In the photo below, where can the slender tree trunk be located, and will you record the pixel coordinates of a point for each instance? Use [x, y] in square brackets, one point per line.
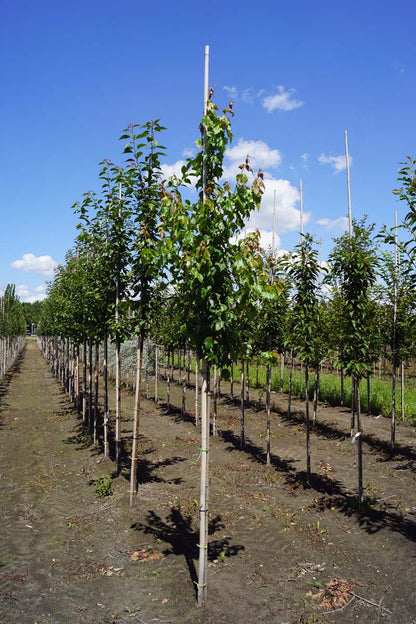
[308, 425]
[67, 369]
[147, 371]
[268, 389]
[84, 382]
[360, 447]
[156, 372]
[204, 487]
[242, 404]
[188, 370]
[353, 392]
[368, 394]
[214, 411]
[184, 377]
[393, 404]
[77, 390]
[402, 390]
[118, 405]
[232, 381]
[301, 380]
[168, 387]
[247, 381]
[136, 421]
[96, 371]
[316, 394]
[90, 369]
[282, 371]
[196, 390]
[105, 387]
[289, 398]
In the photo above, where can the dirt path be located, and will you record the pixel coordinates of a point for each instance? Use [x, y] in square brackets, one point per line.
[63, 550]
[70, 557]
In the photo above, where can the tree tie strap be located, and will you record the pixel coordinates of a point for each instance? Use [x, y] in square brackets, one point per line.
[201, 450]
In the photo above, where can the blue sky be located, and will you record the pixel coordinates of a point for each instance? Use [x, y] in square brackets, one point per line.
[74, 74]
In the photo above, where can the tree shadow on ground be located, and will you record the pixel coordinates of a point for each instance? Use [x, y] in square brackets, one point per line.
[177, 531]
[331, 432]
[321, 429]
[256, 452]
[370, 519]
[334, 494]
[177, 412]
[146, 468]
[7, 379]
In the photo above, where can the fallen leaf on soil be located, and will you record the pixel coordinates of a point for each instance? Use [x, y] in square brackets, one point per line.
[143, 555]
[110, 571]
[165, 600]
[335, 594]
[258, 497]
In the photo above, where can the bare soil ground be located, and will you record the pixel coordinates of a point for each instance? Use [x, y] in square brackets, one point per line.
[280, 552]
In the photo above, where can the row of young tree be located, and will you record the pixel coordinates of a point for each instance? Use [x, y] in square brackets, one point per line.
[168, 258]
[12, 329]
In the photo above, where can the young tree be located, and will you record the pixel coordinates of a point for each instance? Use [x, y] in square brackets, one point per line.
[270, 325]
[199, 241]
[143, 191]
[303, 270]
[353, 266]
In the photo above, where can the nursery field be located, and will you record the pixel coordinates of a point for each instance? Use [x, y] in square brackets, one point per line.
[279, 551]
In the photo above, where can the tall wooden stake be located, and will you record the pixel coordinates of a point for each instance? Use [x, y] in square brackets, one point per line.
[394, 346]
[136, 420]
[301, 207]
[347, 164]
[274, 225]
[118, 370]
[204, 481]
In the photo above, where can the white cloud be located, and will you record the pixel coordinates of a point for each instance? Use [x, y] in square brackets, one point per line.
[245, 96]
[30, 295]
[266, 240]
[171, 170]
[22, 291]
[305, 160]
[232, 91]
[282, 100]
[287, 215]
[337, 162]
[287, 195]
[45, 265]
[188, 152]
[261, 157]
[340, 224]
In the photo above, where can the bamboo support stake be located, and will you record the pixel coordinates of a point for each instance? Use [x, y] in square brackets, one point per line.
[118, 371]
[156, 372]
[196, 390]
[274, 224]
[394, 346]
[204, 480]
[301, 207]
[268, 388]
[347, 164]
